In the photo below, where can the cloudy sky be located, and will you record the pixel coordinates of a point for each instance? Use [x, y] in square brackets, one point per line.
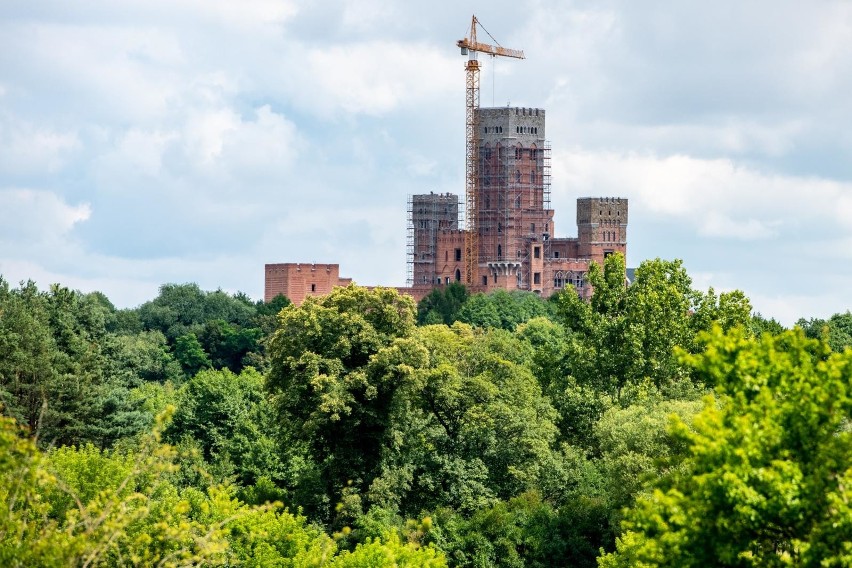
[153, 141]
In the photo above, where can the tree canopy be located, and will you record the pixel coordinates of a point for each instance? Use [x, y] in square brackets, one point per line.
[654, 425]
[765, 477]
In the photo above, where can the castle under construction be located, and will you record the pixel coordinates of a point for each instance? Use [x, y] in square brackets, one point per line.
[515, 233]
[515, 243]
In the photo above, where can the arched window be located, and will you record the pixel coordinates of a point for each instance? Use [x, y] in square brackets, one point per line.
[558, 280]
[458, 275]
[575, 279]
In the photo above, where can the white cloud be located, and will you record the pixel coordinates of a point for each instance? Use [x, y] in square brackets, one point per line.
[36, 217]
[175, 140]
[28, 148]
[372, 77]
[718, 198]
[719, 225]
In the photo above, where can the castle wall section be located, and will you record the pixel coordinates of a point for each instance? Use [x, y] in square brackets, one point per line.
[298, 281]
[449, 261]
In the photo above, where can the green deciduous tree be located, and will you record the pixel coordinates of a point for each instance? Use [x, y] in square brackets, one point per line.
[766, 479]
[628, 335]
[442, 304]
[469, 426]
[836, 331]
[230, 419]
[503, 309]
[56, 375]
[191, 355]
[332, 397]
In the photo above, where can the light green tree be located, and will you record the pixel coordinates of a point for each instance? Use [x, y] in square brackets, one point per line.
[628, 335]
[767, 477]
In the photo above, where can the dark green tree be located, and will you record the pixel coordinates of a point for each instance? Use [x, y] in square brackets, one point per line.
[442, 304]
[836, 331]
[503, 309]
[191, 355]
[55, 376]
[230, 419]
[333, 400]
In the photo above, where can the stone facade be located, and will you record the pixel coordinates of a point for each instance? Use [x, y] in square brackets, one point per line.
[541, 263]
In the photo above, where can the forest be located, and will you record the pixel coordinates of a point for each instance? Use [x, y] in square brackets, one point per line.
[657, 425]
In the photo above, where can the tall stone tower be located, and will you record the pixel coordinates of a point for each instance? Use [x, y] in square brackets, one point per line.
[513, 194]
[601, 227]
[428, 216]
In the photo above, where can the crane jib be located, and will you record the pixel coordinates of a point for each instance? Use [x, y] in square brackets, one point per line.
[490, 49]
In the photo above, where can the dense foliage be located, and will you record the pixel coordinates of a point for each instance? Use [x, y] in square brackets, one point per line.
[656, 425]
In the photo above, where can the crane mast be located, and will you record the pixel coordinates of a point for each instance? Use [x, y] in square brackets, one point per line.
[470, 46]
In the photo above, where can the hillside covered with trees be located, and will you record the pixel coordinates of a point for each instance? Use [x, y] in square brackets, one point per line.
[657, 425]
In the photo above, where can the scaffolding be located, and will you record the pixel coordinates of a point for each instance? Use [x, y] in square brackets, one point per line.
[428, 214]
[409, 242]
[514, 206]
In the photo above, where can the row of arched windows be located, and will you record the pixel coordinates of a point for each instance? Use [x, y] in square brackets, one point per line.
[562, 279]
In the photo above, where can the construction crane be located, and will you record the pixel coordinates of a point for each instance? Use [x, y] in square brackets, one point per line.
[470, 47]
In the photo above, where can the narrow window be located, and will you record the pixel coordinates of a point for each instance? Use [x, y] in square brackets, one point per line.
[458, 255]
[485, 281]
[313, 287]
[537, 252]
[458, 275]
[536, 277]
[499, 252]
